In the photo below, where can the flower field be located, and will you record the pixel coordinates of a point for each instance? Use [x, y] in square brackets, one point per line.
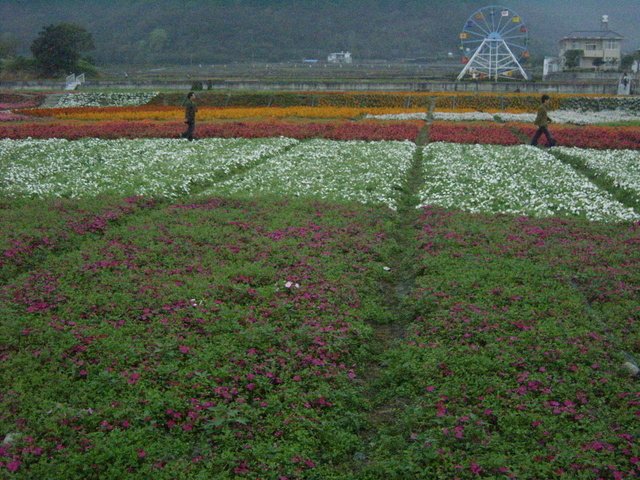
[368, 173]
[200, 337]
[108, 99]
[160, 113]
[518, 180]
[472, 101]
[621, 167]
[511, 366]
[494, 134]
[90, 167]
[342, 130]
[318, 297]
[592, 137]
[559, 116]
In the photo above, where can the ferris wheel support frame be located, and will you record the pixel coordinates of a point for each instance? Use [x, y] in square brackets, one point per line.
[486, 60]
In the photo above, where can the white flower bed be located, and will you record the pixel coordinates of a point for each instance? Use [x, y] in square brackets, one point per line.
[116, 99]
[357, 171]
[153, 167]
[588, 118]
[558, 116]
[519, 180]
[622, 167]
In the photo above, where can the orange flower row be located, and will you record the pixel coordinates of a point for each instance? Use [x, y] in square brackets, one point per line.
[212, 113]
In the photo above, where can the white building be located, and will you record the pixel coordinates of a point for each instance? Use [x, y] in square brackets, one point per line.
[599, 49]
[550, 65]
[340, 57]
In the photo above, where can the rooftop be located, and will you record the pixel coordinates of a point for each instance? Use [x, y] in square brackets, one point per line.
[593, 35]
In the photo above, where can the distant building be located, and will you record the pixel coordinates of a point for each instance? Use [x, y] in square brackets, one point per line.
[599, 49]
[550, 65]
[340, 57]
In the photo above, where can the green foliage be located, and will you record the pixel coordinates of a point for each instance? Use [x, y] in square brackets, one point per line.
[19, 64]
[58, 48]
[627, 60]
[8, 45]
[572, 58]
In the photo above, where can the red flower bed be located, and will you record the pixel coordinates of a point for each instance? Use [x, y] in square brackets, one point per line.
[591, 136]
[494, 134]
[108, 130]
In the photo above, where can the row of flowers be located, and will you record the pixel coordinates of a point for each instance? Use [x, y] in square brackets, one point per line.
[365, 172]
[596, 104]
[520, 180]
[9, 116]
[422, 100]
[206, 113]
[559, 116]
[620, 167]
[343, 130]
[32, 229]
[480, 178]
[458, 101]
[590, 136]
[159, 113]
[10, 101]
[493, 134]
[105, 99]
[458, 132]
[90, 167]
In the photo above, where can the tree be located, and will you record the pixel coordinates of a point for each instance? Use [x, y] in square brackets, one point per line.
[57, 49]
[627, 60]
[158, 40]
[572, 58]
[8, 45]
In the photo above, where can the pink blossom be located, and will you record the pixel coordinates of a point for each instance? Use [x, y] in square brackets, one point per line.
[241, 468]
[475, 468]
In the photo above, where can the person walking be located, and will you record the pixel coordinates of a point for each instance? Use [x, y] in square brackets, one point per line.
[542, 121]
[190, 109]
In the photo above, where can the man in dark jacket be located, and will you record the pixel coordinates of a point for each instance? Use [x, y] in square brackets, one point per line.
[190, 109]
[542, 121]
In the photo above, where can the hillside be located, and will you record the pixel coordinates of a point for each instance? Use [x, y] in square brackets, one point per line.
[222, 31]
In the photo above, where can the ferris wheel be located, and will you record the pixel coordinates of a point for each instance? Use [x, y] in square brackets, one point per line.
[494, 43]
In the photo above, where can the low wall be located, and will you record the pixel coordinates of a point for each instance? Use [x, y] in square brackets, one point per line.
[306, 86]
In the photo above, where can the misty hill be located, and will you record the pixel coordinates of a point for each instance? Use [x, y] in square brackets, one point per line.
[222, 31]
